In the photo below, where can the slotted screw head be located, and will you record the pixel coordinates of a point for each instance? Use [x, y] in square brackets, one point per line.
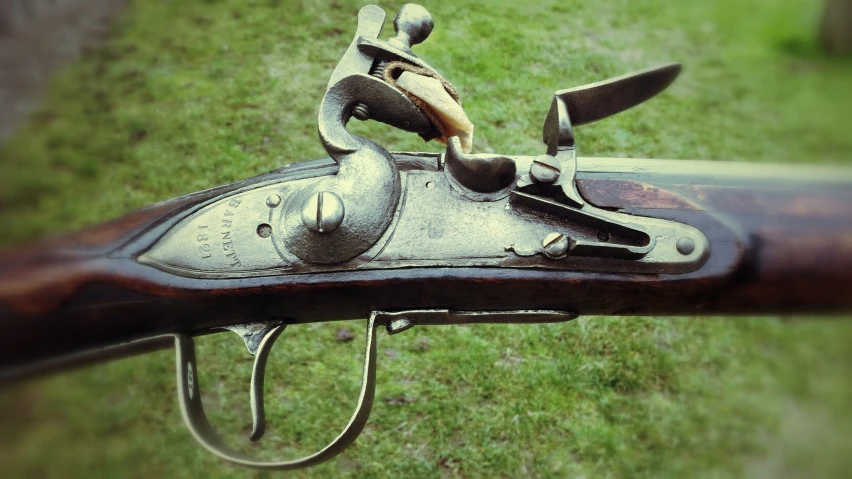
[555, 245]
[545, 169]
[323, 212]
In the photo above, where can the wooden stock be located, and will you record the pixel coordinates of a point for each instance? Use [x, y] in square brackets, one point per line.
[774, 249]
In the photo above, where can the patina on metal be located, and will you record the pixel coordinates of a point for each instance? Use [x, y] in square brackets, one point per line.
[395, 322]
[472, 210]
[486, 174]
[259, 338]
[413, 239]
[367, 185]
[450, 210]
[193, 414]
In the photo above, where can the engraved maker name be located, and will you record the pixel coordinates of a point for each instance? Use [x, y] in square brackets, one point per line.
[227, 243]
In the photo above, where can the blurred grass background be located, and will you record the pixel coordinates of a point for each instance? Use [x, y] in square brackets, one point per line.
[182, 96]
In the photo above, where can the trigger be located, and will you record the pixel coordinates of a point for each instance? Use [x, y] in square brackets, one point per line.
[259, 338]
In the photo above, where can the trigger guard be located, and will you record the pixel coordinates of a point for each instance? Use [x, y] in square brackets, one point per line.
[192, 410]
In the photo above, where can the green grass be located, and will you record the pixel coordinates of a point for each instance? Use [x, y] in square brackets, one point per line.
[186, 95]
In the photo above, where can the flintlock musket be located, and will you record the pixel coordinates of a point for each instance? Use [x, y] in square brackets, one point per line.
[412, 239]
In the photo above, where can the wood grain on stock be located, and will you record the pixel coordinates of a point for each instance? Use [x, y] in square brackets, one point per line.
[774, 250]
[39, 277]
[799, 253]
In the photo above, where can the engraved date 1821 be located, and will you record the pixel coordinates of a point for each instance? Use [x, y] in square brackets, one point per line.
[202, 238]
